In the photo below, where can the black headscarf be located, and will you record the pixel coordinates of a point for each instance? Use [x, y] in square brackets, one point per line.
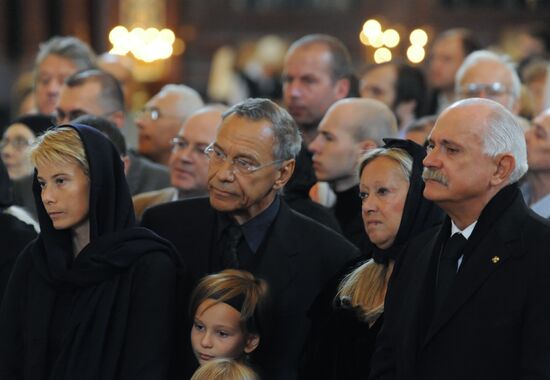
[115, 245]
[37, 123]
[6, 188]
[419, 214]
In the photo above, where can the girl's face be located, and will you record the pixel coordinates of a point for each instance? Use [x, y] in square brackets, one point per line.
[217, 333]
[65, 194]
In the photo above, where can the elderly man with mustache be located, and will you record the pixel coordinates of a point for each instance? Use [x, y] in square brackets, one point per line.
[471, 300]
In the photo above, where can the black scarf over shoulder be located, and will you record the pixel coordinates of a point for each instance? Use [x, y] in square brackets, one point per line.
[419, 214]
[115, 245]
[6, 188]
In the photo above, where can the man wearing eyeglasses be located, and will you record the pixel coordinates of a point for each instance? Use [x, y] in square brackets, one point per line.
[159, 121]
[484, 74]
[188, 162]
[245, 224]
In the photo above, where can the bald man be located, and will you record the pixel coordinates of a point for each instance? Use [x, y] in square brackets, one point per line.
[188, 163]
[349, 128]
[161, 118]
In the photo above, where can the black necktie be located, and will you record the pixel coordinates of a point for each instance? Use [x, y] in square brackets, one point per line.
[230, 256]
[448, 266]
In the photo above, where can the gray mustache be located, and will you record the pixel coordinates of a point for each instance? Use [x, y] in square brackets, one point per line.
[434, 175]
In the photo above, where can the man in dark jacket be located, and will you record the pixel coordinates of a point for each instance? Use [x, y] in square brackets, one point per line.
[471, 302]
[246, 224]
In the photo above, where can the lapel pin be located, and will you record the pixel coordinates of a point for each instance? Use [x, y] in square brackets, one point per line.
[495, 259]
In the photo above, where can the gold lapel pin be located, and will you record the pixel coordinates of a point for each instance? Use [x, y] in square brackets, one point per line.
[495, 259]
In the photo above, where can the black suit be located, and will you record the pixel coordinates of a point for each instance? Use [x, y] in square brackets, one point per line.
[298, 257]
[495, 321]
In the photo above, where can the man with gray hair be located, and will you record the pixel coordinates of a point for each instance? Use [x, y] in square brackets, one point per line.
[57, 59]
[471, 298]
[245, 224]
[485, 74]
[349, 128]
[161, 118]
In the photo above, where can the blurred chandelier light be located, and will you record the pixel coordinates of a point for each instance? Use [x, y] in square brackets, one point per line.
[141, 31]
[374, 35]
[147, 45]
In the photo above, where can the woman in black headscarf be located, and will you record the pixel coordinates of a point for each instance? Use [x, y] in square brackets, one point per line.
[94, 297]
[14, 233]
[347, 316]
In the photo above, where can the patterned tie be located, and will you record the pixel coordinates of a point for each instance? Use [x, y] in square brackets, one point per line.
[233, 236]
[448, 266]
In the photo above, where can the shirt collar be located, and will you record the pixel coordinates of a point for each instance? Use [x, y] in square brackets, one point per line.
[256, 228]
[467, 232]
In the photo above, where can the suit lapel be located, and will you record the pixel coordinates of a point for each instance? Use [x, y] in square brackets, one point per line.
[280, 250]
[494, 250]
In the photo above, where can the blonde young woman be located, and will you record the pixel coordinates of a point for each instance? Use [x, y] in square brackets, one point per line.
[94, 296]
[345, 325]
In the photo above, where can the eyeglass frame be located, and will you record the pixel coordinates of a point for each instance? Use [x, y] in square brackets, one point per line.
[177, 141]
[492, 90]
[18, 143]
[153, 114]
[210, 149]
[75, 114]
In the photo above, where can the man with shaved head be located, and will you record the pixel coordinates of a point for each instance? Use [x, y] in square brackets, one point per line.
[188, 163]
[349, 128]
[161, 118]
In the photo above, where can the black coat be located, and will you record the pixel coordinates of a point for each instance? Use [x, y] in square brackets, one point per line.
[300, 256]
[107, 314]
[14, 235]
[494, 322]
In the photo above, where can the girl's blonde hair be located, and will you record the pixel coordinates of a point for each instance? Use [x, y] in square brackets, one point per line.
[238, 288]
[60, 146]
[224, 369]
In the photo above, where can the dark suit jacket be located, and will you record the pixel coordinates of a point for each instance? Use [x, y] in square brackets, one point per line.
[494, 324]
[299, 257]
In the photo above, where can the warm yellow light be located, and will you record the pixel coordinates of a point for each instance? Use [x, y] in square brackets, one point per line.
[416, 54]
[377, 40]
[168, 36]
[118, 34]
[364, 39]
[390, 38]
[145, 44]
[372, 28]
[179, 46]
[382, 55]
[419, 37]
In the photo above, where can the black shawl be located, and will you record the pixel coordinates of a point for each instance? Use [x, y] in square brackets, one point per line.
[6, 188]
[100, 277]
[340, 344]
[419, 214]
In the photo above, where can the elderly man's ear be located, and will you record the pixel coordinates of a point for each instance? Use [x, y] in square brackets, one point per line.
[284, 174]
[504, 166]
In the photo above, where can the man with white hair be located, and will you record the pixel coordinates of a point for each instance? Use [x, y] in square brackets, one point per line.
[470, 299]
[536, 189]
[485, 74]
[161, 118]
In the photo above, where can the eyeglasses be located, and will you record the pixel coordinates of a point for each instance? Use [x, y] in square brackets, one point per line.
[153, 113]
[241, 166]
[64, 117]
[491, 90]
[17, 143]
[179, 143]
